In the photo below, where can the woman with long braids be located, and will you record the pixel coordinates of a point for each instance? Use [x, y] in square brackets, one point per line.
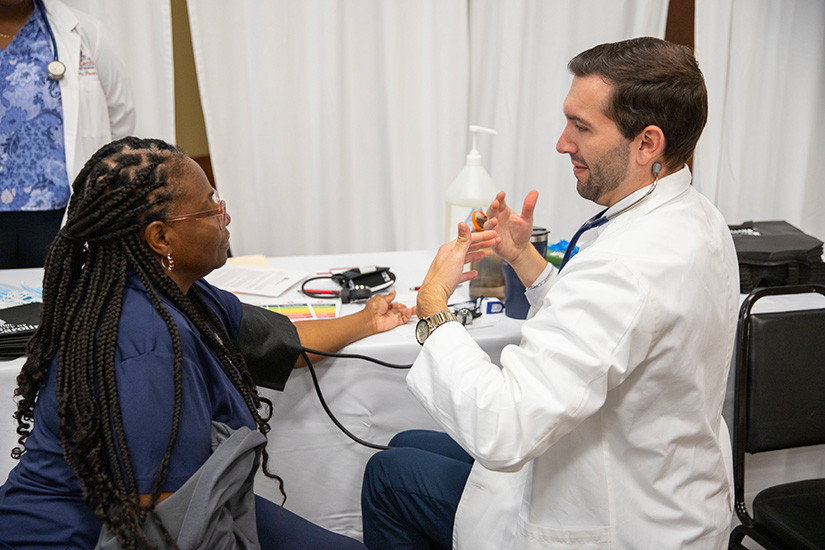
[137, 356]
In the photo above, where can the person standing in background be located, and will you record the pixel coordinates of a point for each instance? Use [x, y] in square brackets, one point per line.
[53, 116]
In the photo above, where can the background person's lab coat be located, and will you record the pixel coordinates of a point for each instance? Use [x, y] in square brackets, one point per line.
[95, 91]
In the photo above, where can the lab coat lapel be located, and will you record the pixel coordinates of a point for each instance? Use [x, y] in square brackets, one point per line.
[63, 22]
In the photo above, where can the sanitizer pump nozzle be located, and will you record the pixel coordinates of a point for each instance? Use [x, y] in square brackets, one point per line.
[472, 188]
[474, 157]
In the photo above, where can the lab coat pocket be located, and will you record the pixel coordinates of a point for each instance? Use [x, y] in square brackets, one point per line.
[93, 115]
[93, 129]
[536, 536]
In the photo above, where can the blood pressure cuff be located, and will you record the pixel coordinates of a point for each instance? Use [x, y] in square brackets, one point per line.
[775, 253]
[270, 345]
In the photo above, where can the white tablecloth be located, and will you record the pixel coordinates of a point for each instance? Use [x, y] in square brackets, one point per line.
[8, 374]
[321, 467]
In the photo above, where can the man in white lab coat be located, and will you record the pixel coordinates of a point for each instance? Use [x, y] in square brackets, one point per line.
[603, 428]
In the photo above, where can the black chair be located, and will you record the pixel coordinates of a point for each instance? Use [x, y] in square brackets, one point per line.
[779, 404]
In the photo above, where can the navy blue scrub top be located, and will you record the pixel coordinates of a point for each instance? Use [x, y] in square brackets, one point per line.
[41, 505]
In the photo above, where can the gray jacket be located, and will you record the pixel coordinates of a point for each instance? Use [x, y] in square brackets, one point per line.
[215, 508]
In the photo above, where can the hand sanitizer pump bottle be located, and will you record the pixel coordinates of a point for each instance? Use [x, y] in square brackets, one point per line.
[472, 188]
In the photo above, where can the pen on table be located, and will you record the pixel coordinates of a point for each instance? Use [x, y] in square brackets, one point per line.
[415, 287]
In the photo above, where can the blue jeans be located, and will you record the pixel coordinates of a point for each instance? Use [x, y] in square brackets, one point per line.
[411, 492]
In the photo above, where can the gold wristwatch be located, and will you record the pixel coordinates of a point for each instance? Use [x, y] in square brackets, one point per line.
[427, 325]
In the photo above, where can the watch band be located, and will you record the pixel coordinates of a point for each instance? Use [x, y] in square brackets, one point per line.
[439, 318]
[427, 325]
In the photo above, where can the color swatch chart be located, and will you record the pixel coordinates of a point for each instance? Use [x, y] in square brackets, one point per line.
[297, 311]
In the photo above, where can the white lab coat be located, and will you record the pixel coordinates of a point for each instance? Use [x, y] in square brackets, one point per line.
[603, 428]
[95, 92]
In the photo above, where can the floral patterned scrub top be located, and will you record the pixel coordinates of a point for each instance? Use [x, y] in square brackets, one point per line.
[32, 153]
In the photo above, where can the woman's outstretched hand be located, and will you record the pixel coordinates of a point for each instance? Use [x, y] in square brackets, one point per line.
[386, 314]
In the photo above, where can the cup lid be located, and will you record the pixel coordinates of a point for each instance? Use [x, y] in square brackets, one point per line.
[539, 234]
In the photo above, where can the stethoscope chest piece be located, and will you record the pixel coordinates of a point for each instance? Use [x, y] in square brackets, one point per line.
[56, 69]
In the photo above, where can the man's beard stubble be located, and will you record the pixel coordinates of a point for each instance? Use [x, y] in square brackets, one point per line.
[605, 174]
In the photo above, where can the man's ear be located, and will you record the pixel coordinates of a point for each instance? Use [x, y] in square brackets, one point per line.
[156, 235]
[651, 145]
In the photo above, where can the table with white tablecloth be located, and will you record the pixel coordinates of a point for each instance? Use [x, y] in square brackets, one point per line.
[321, 467]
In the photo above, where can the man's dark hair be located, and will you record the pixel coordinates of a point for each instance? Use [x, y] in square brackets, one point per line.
[655, 82]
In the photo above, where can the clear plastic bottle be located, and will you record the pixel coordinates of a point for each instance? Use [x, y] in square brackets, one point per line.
[490, 279]
[472, 188]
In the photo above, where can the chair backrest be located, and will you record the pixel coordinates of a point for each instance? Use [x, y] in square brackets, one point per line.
[786, 389]
[779, 400]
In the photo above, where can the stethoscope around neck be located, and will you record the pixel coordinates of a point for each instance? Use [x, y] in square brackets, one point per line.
[55, 67]
[656, 168]
[601, 219]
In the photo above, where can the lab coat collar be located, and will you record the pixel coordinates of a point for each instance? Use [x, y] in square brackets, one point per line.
[668, 187]
[60, 16]
[679, 179]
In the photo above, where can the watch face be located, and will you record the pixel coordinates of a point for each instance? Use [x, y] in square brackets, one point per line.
[422, 330]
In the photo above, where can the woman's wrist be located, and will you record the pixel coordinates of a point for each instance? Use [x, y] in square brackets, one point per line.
[364, 323]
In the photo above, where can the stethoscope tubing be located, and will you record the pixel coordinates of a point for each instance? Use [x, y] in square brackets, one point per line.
[600, 219]
[61, 68]
[634, 203]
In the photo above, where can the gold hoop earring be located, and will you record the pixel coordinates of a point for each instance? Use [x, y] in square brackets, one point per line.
[169, 265]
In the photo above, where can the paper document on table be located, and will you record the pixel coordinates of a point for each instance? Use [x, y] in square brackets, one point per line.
[251, 259]
[246, 279]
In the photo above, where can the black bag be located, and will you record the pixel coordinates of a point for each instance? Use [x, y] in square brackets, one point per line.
[17, 324]
[775, 253]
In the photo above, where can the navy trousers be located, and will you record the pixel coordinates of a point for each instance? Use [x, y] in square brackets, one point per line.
[25, 237]
[280, 529]
[411, 492]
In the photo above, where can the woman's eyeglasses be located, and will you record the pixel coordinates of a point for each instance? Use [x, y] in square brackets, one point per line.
[219, 211]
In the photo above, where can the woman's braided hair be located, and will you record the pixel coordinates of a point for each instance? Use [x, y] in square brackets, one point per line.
[125, 186]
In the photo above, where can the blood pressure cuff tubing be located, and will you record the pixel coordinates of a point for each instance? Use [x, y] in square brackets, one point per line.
[270, 345]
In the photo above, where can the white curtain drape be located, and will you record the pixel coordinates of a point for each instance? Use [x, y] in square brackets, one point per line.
[331, 124]
[762, 155]
[519, 52]
[336, 126]
[141, 34]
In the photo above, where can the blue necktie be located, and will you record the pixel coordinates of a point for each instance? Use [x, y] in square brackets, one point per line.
[595, 221]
